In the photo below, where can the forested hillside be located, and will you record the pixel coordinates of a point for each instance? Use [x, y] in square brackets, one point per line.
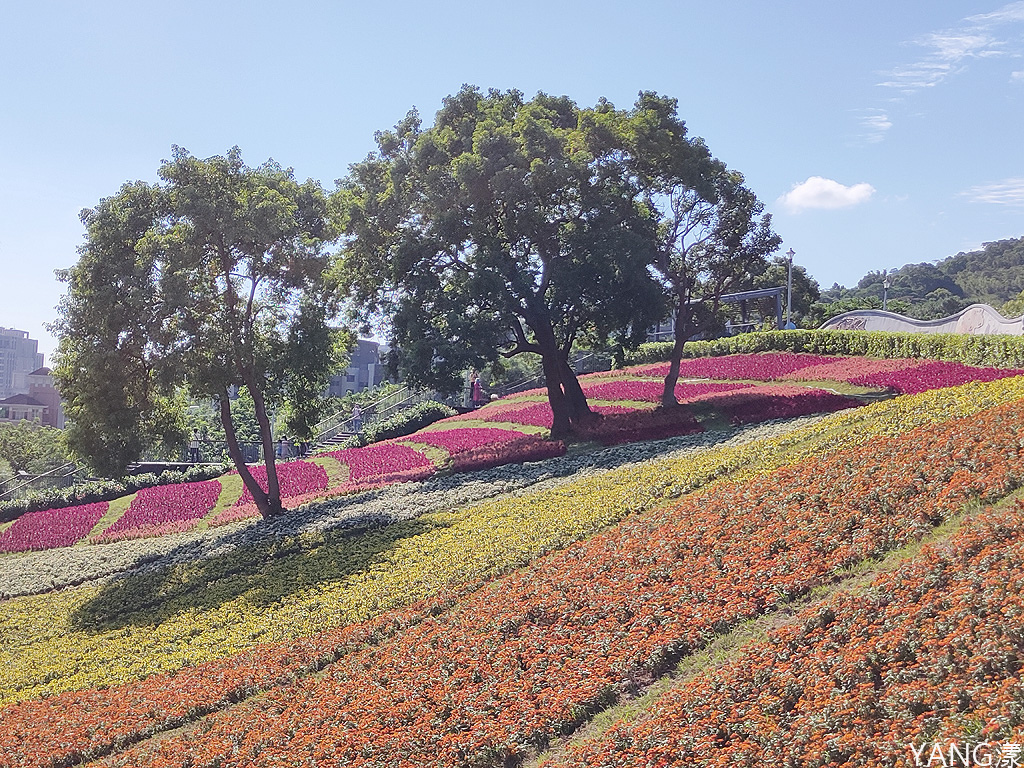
[994, 275]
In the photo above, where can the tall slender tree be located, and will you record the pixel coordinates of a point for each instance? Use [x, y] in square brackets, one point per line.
[208, 280]
[712, 232]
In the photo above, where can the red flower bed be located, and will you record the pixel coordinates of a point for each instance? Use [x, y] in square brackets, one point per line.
[295, 478]
[525, 448]
[164, 509]
[650, 391]
[384, 461]
[48, 528]
[761, 366]
[935, 374]
[779, 402]
[928, 655]
[631, 426]
[455, 441]
[512, 664]
[539, 414]
[849, 369]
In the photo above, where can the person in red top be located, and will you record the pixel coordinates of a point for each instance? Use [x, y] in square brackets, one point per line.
[477, 391]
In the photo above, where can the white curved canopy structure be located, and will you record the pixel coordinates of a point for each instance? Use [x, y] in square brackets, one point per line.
[976, 319]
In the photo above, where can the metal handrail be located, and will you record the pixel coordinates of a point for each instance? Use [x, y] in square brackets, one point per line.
[345, 415]
[74, 468]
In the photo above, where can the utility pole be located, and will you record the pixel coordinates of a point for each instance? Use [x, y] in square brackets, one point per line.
[789, 291]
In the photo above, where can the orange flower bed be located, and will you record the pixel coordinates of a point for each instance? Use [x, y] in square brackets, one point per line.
[926, 660]
[512, 664]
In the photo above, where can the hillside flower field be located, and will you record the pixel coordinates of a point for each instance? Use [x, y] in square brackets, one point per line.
[472, 594]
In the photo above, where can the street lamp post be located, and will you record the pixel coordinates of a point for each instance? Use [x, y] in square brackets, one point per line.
[789, 290]
[886, 285]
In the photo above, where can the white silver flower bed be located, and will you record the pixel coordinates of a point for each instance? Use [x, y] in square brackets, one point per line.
[35, 572]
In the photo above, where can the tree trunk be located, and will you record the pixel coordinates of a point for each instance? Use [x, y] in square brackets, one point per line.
[263, 503]
[267, 439]
[668, 394]
[551, 361]
[560, 424]
[579, 409]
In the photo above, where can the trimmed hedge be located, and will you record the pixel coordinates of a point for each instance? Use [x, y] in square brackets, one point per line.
[997, 351]
[403, 423]
[103, 490]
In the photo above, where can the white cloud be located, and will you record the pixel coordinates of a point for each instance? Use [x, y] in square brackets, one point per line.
[1017, 77]
[948, 52]
[1008, 13]
[819, 192]
[875, 124]
[1007, 192]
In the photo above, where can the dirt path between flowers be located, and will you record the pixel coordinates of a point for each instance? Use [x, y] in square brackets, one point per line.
[728, 646]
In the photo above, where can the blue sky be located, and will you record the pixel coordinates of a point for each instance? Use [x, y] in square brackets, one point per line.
[876, 133]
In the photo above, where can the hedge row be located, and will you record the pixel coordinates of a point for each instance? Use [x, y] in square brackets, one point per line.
[991, 350]
[403, 423]
[103, 490]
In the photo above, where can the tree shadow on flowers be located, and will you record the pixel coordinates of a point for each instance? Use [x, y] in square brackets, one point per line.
[264, 573]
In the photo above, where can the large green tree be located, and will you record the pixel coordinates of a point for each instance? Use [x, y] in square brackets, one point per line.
[211, 279]
[508, 226]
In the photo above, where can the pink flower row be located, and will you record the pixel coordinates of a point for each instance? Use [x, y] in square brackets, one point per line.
[49, 528]
[381, 460]
[780, 402]
[164, 509]
[650, 391]
[295, 478]
[904, 376]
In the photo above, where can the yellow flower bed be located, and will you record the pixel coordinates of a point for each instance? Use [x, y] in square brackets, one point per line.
[206, 610]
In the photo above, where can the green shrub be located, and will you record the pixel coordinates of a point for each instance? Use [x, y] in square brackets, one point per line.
[990, 350]
[403, 423]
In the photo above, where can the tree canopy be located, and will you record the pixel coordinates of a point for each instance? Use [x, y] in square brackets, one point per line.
[213, 278]
[512, 226]
[508, 226]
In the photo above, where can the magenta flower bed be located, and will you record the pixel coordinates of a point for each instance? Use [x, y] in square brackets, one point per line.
[650, 391]
[524, 448]
[464, 438]
[163, 509]
[933, 374]
[48, 528]
[539, 414]
[631, 426]
[295, 478]
[779, 402]
[764, 366]
[849, 368]
[383, 461]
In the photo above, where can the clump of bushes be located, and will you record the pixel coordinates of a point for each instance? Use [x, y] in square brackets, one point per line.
[403, 423]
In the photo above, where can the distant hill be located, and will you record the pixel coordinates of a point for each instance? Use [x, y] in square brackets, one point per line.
[993, 275]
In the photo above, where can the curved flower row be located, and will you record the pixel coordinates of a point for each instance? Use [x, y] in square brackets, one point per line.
[760, 366]
[380, 461]
[904, 376]
[44, 650]
[295, 478]
[778, 402]
[163, 508]
[931, 375]
[651, 391]
[47, 528]
[538, 414]
[515, 662]
[929, 655]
